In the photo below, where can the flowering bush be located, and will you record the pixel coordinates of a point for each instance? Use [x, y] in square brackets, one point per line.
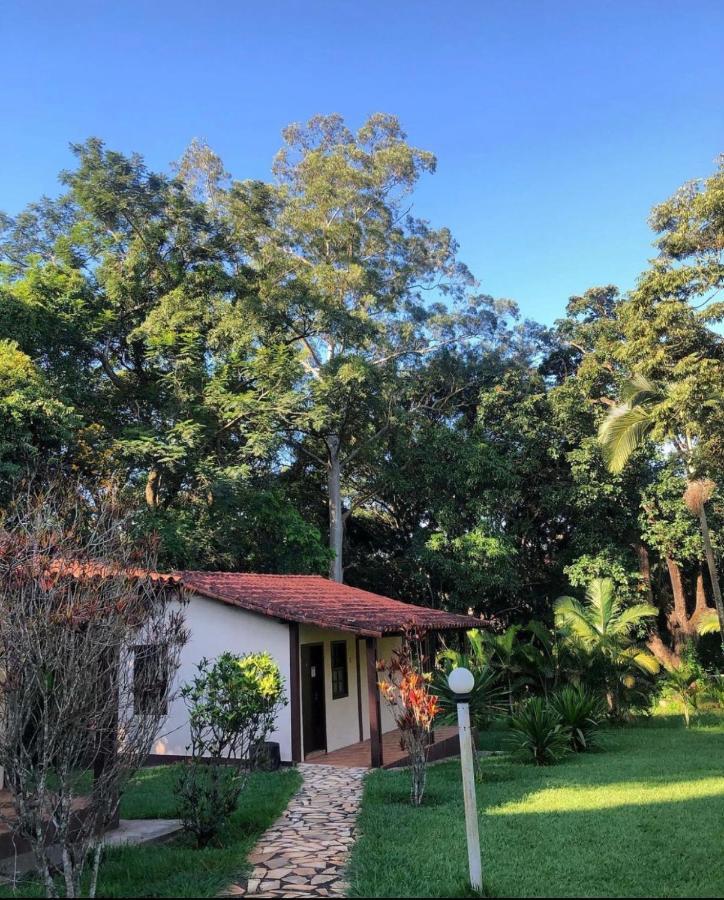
[406, 688]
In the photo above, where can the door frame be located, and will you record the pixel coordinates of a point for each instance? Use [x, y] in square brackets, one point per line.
[320, 645]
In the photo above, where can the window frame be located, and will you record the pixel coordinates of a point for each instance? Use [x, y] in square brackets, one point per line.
[151, 698]
[339, 692]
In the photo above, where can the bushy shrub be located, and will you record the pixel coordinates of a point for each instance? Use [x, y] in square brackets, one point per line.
[715, 690]
[232, 705]
[580, 712]
[536, 733]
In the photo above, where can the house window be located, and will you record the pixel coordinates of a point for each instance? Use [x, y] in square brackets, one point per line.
[339, 670]
[150, 679]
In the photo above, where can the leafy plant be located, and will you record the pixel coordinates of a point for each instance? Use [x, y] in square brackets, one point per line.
[580, 712]
[487, 699]
[686, 688]
[687, 685]
[536, 732]
[603, 629]
[407, 691]
[232, 704]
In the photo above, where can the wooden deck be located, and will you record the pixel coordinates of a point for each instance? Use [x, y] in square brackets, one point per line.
[358, 755]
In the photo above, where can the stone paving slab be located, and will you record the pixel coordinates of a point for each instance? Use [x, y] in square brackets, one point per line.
[305, 852]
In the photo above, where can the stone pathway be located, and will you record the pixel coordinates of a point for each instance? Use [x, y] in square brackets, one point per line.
[305, 852]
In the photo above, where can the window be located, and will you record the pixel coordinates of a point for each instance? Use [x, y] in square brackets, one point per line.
[339, 670]
[150, 679]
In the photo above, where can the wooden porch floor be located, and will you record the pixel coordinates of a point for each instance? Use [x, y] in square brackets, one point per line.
[359, 755]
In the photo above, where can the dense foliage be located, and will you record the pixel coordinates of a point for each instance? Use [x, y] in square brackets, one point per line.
[299, 376]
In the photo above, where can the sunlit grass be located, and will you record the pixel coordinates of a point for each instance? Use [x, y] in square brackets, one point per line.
[643, 818]
[627, 793]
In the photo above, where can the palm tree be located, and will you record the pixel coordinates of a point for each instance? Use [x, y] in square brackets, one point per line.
[602, 627]
[625, 429]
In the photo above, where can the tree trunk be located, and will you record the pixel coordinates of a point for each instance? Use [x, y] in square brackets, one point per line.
[665, 655]
[677, 619]
[678, 616]
[153, 482]
[336, 521]
[668, 658]
[701, 603]
[645, 570]
[713, 575]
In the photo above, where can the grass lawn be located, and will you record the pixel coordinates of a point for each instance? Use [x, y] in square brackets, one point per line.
[177, 868]
[642, 818]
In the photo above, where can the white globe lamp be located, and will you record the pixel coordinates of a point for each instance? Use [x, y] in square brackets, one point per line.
[461, 681]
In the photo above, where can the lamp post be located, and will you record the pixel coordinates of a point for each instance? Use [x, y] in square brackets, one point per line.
[462, 682]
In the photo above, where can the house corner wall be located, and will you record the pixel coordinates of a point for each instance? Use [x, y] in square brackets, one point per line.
[214, 628]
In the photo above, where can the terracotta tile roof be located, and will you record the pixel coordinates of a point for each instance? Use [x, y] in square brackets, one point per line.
[317, 601]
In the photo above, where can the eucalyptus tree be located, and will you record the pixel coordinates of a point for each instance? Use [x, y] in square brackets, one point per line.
[356, 289]
[119, 296]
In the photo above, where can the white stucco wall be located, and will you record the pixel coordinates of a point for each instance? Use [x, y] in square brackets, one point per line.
[214, 628]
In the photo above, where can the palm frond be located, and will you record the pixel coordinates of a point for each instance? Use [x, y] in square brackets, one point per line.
[602, 602]
[640, 389]
[632, 615]
[572, 617]
[709, 623]
[621, 433]
[642, 659]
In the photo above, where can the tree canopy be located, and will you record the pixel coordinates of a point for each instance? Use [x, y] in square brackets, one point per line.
[301, 375]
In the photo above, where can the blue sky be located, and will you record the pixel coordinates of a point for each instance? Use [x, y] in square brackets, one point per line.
[557, 125]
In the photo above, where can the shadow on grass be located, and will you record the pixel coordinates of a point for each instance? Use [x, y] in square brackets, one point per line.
[605, 824]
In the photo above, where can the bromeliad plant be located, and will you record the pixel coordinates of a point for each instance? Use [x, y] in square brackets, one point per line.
[580, 712]
[406, 688]
[536, 732]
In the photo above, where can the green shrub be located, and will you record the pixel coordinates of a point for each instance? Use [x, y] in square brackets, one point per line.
[536, 733]
[232, 705]
[580, 712]
[715, 690]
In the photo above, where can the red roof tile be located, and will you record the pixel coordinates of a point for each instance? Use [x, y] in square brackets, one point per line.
[317, 601]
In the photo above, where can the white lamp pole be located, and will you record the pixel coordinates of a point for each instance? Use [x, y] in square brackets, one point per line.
[461, 683]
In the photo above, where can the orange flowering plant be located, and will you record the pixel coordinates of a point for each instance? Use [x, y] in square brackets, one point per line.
[406, 688]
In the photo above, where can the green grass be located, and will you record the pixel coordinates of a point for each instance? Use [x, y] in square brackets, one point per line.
[177, 868]
[642, 818]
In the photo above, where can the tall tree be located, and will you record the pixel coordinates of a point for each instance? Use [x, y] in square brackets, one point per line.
[345, 271]
[122, 293]
[655, 410]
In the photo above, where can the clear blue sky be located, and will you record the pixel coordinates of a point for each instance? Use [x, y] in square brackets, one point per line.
[557, 124]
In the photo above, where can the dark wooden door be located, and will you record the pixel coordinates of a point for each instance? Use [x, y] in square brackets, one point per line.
[314, 725]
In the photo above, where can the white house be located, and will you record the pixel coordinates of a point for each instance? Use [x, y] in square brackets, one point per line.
[326, 638]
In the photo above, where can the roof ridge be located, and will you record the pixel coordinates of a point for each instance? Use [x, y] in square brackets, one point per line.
[254, 574]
